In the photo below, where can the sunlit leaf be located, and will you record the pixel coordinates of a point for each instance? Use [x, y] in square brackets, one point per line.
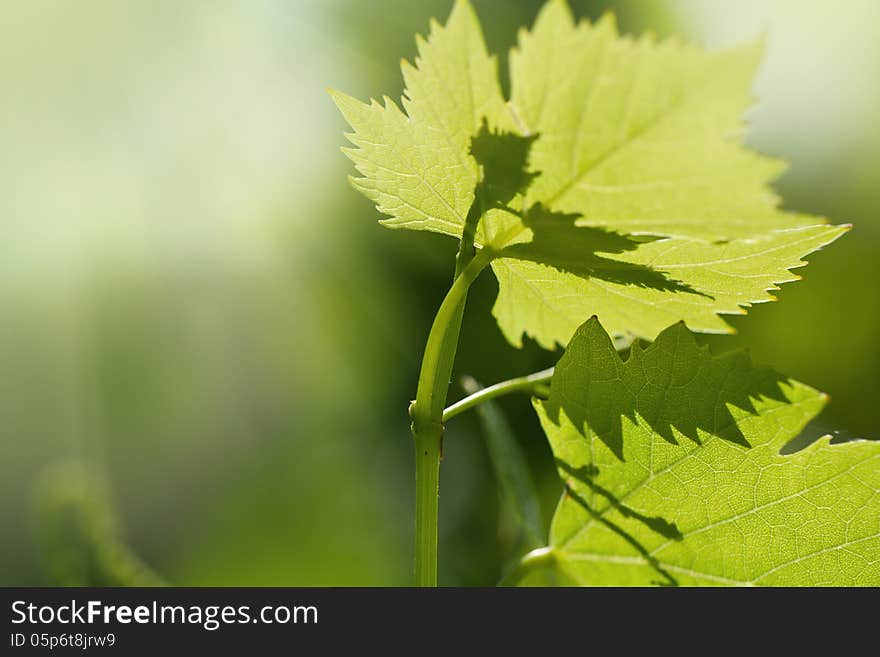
[613, 183]
[416, 165]
[673, 472]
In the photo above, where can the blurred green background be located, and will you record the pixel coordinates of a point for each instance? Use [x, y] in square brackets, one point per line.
[198, 310]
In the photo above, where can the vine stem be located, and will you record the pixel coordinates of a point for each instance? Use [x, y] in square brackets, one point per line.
[535, 384]
[427, 414]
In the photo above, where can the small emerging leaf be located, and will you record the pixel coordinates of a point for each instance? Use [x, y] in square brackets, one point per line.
[673, 472]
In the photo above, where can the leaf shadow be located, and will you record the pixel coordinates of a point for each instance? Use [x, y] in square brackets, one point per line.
[558, 242]
[556, 239]
[706, 388]
[667, 579]
[504, 160]
[587, 474]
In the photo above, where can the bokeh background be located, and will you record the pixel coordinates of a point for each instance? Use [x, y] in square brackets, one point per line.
[207, 339]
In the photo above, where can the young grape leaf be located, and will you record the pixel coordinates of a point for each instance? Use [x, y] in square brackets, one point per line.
[416, 166]
[640, 136]
[673, 472]
[641, 291]
[613, 182]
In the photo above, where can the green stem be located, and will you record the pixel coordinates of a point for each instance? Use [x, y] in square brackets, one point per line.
[535, 384]
[428, 448]
[427, 414]
[433, 384]
[529, 563]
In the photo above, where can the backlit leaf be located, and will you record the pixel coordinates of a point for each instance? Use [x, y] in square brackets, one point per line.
[613, 182]
[673, 472]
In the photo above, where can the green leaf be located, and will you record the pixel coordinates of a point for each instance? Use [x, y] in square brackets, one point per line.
[640, 136]
[614, 182]
[642, 290]
[416, 166]
[673, 472]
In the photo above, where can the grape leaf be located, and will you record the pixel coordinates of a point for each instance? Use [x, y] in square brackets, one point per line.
[613, 182]
[416, 166]
[673, 472]
[640, 136]
[642, 291]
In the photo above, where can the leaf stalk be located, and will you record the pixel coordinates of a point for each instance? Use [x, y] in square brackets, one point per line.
[534, 384]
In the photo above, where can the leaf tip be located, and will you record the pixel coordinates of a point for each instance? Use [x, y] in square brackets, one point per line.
[461, 5]
[339, 97]
[336, 96]
[555, 10]
[680, 330]
[608, 20]
[351, 108]
[434, 27]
